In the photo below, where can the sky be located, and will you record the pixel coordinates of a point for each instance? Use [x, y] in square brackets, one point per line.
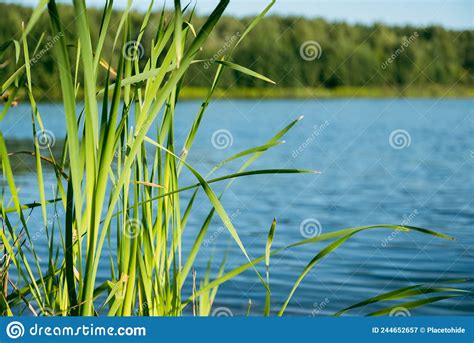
[453, 14]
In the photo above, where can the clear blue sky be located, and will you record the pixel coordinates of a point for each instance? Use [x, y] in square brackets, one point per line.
[457, 14]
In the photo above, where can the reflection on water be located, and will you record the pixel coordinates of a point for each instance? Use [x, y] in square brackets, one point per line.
[382, 161]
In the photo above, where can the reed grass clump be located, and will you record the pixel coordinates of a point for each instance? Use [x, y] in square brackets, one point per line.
[119, 190]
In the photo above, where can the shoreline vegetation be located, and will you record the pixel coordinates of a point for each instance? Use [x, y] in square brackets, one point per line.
[261, 93]
[434, 91]
[306, 57]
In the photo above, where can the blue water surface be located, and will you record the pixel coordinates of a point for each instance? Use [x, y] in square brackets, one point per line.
[399, 161]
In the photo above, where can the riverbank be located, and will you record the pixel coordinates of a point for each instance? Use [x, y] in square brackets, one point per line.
[276, 92]
[432, 91]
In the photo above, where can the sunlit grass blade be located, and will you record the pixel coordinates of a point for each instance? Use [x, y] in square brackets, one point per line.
[69, 106]
[327, 250]
[245, 70]
[415, 304]
[216, 204]
[340, 235]
[268, 247]
[402, 293]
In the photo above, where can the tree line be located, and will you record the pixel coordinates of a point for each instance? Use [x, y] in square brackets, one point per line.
[295, 52]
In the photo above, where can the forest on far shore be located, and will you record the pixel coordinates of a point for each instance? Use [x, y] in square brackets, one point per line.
[281, 48]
